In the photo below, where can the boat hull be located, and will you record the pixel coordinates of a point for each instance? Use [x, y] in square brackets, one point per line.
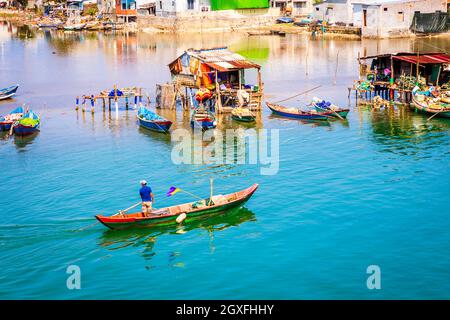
[416, 105]
[203, 123]
[243, 118]
[119, 223]
[305, 115]
[22, 130]
[157, 126]
[342, 112]
[5, 126]
[8, 92]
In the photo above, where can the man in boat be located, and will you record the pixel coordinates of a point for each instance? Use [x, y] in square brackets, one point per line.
[147, 198]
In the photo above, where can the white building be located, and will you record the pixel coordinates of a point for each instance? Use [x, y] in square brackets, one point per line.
[175, 7]
[298, 7]
[377, 18]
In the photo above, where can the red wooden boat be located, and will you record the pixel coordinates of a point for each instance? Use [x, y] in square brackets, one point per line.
[168, 215]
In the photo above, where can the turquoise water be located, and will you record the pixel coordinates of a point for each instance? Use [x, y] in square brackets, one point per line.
[369, 191]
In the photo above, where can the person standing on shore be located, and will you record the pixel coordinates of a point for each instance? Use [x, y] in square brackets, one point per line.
[147, 198]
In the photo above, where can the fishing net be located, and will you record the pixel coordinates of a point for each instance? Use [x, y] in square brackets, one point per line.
[430, 22]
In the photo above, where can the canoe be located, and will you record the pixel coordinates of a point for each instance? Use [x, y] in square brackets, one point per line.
[152, 121]
[296, 113]
[424, 107]
[203, 119]
[8, 92]
[322, 106]
[168, 215]
[7, 121]
[27, 125]
[243, 115]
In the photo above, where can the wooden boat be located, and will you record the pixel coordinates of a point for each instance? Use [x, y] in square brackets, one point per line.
[297, 113]
[27, 125]
[242, 114]
[7, 121]
[152, 121]
[50, 25]
[438, 107]
[8, 92]
[168, 215]
[322, 106]
[203, 119]
[74, 27]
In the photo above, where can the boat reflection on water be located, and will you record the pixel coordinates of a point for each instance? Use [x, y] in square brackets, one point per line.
[399, 130]
[146, 237]
[313, 123]
[22, 142]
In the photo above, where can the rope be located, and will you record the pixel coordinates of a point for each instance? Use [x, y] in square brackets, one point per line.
[299, 94]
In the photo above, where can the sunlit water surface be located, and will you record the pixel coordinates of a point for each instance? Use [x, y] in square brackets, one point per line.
[372, 190]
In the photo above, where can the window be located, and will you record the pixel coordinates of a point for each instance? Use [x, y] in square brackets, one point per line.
[190, 4]
[400, 16]
[299, 4]
[160, 5]
[317, 9]
[385, 9]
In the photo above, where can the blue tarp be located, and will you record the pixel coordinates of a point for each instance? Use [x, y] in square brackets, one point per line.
[119, 93]
[17, 110]
[149, 115]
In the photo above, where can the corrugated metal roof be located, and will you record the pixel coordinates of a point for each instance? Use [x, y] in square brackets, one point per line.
[425, 59]
[399, 54]
[222, 59]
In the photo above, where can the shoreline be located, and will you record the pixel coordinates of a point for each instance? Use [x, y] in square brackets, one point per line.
[152, 25]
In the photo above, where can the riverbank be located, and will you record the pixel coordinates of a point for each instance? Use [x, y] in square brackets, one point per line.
[211, 22]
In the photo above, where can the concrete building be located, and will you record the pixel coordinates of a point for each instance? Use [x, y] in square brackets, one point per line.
[334, 11]
[377, 18]
[392, 18]
[295, 7]
[176, 7]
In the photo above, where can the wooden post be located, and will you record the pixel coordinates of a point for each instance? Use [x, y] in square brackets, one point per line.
[391, 81]
[116, 102]
[438, 75]
[417, 66]
[211, 181]
[103, 103]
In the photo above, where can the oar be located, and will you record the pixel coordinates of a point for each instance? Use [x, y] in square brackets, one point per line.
[434, 115]
[120, 212]
[299, 94]
[330, 110]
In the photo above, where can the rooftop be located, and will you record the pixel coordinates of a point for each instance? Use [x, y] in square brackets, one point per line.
[221, 59]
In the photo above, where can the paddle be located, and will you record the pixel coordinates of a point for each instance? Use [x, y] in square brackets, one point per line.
[119, 212]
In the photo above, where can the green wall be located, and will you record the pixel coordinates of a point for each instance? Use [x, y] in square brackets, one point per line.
[238, 4]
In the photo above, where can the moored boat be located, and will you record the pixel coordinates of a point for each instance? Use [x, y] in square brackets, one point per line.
[297, 113]
[27, 125]
[8, 92]
[203, 119]
[74, 27]
[324, 106]
[8, 120]
[242, 114]
[152, 121]
[50, 25]
[434, 106]
[169, 215]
